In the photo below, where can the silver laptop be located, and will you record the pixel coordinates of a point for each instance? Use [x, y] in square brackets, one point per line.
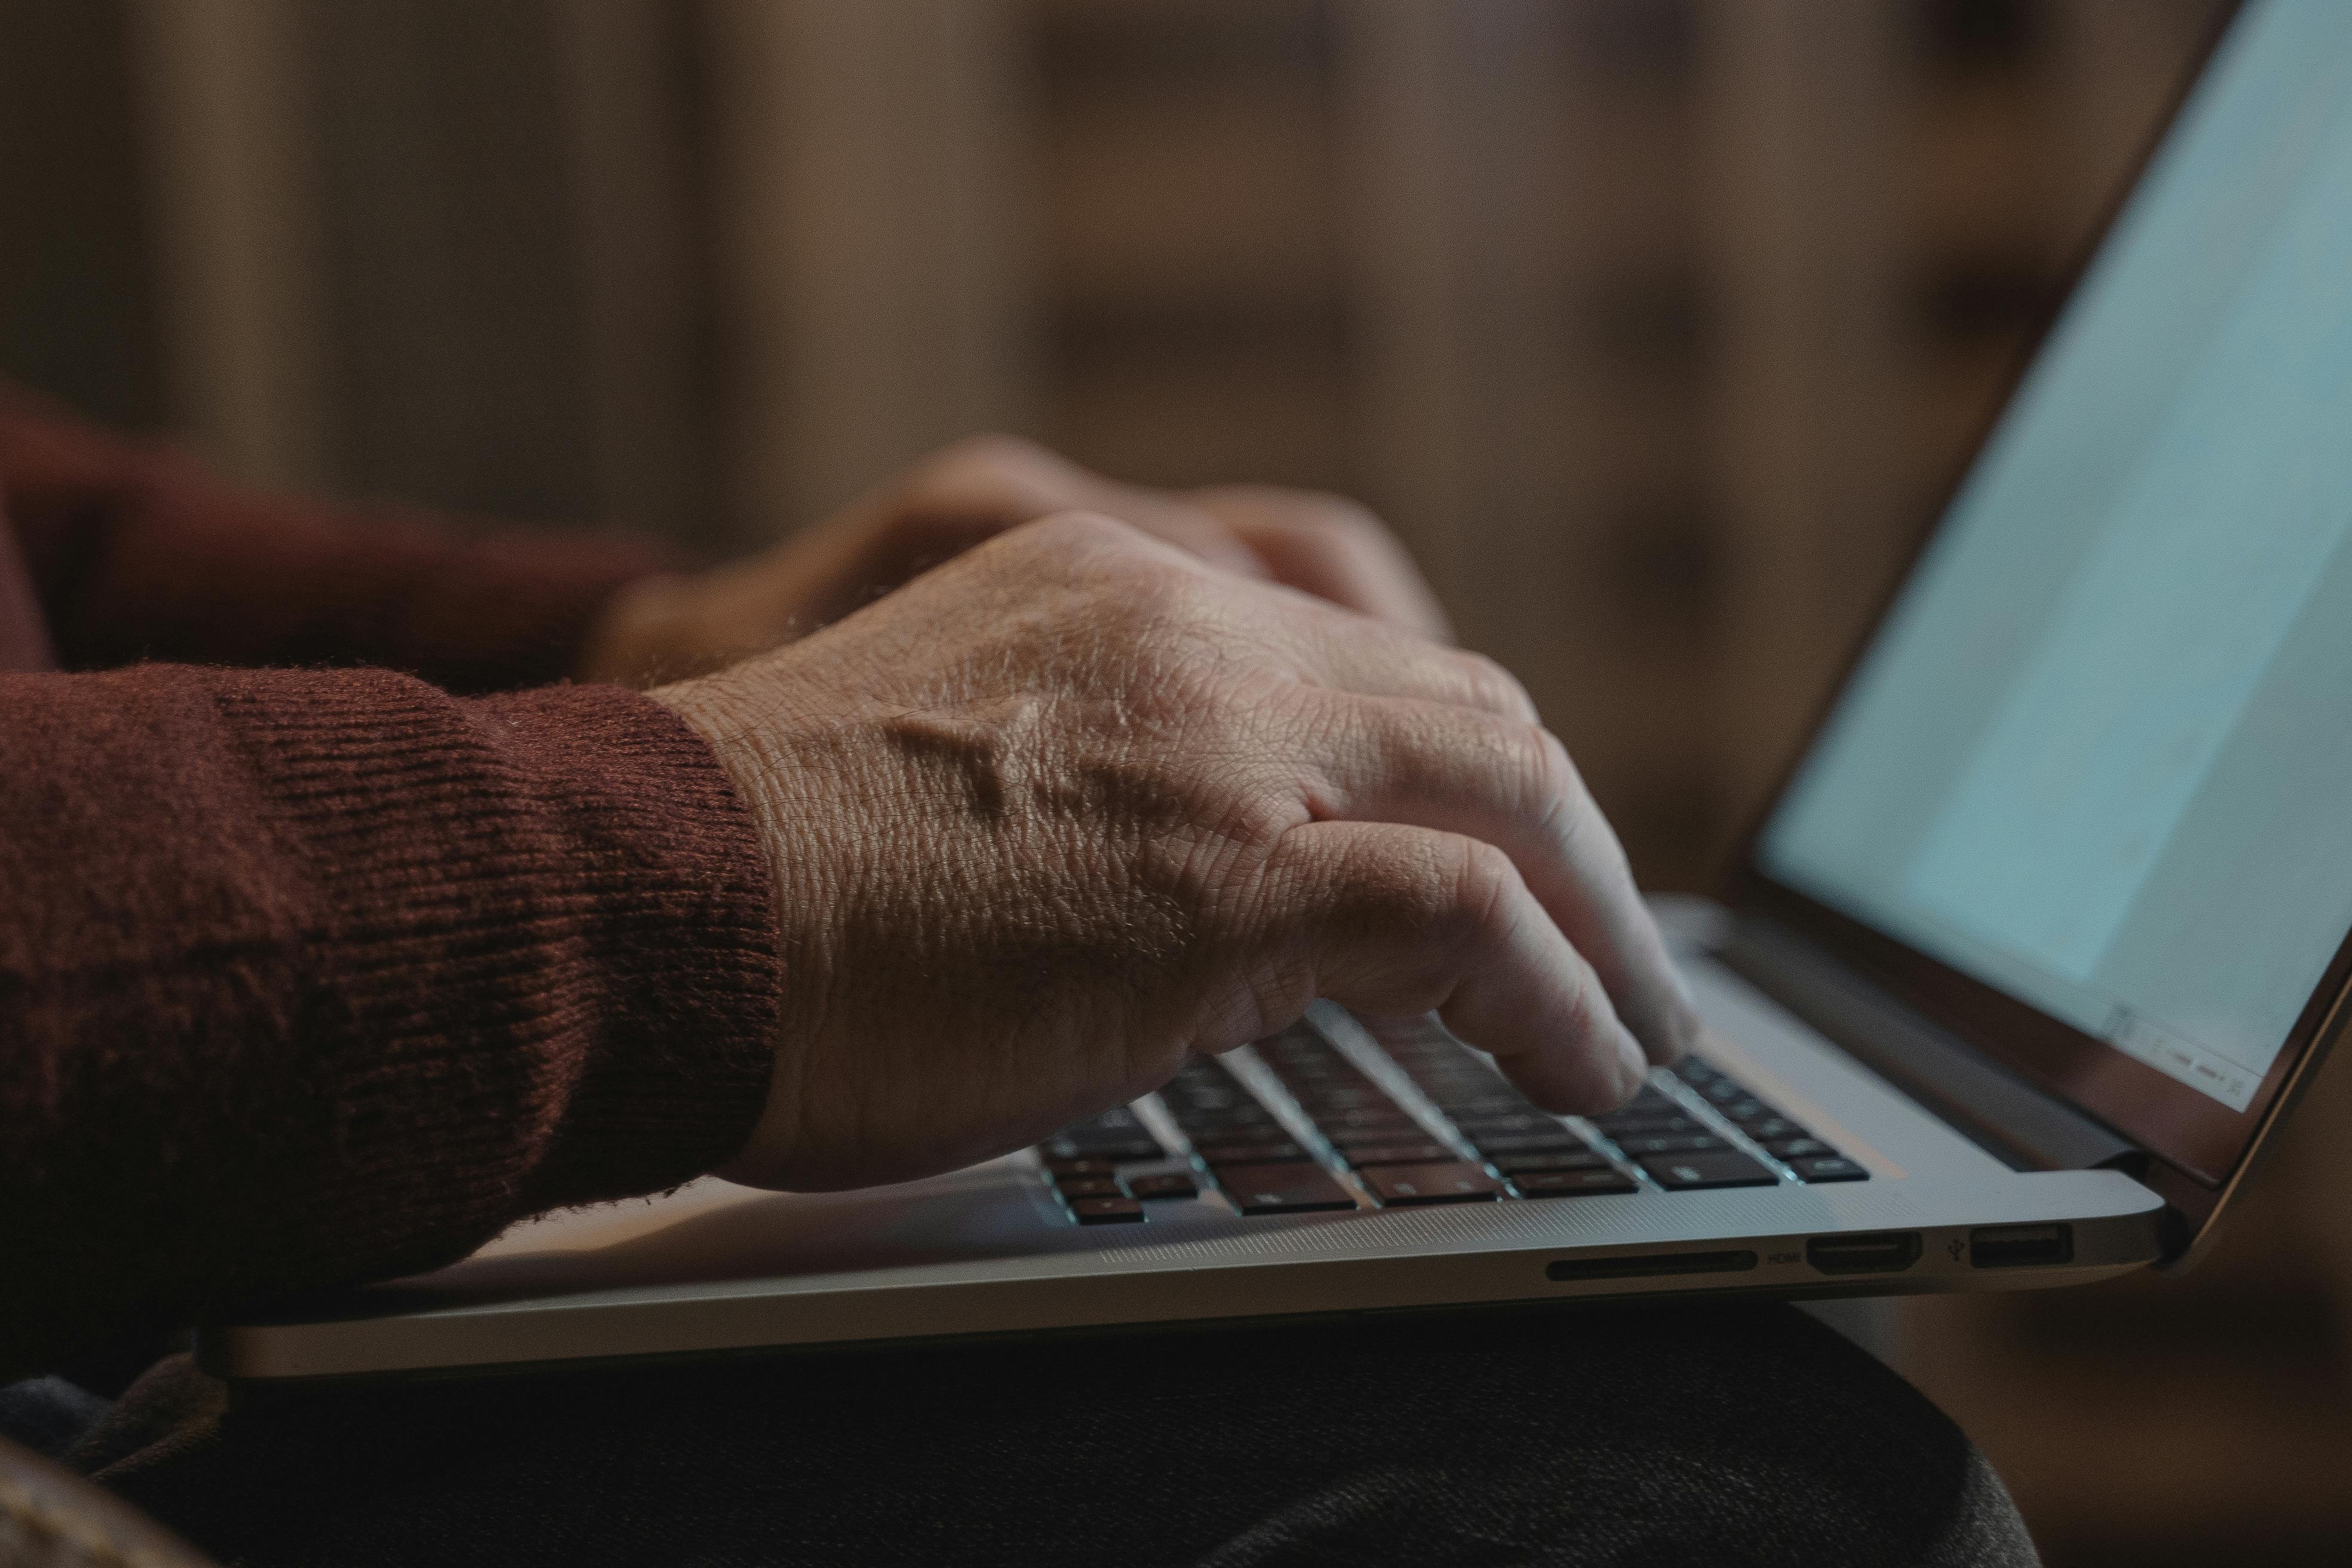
[2030, 957]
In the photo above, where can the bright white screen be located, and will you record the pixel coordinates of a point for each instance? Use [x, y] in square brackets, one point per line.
[2101, 755]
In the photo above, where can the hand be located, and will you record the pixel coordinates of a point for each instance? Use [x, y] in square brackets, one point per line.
[667, 628]
[1075, 804]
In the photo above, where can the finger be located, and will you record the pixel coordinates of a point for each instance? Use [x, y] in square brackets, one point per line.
[1393, 919]
[1345, 651]
[1332, 548]
[1512, 786]
[981, 487]
[1342, 650]
[1187, 528]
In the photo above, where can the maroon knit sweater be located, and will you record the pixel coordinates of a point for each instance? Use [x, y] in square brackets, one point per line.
[311, 969]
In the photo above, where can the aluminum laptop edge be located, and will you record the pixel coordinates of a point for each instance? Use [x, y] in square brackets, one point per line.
[2029, 958]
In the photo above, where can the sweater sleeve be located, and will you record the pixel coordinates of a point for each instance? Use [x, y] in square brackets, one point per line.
[135, 553]
[310, 977]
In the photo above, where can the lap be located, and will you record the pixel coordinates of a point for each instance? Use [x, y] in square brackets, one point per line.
[1643, 1434]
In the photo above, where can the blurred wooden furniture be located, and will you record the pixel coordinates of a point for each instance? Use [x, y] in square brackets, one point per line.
[1655, 325]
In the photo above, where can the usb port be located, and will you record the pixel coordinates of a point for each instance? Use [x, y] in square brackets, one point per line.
[2020, 1246]
[1881, 1252]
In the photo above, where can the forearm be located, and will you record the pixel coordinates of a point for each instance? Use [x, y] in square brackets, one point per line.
[137, 554]
[309, 978]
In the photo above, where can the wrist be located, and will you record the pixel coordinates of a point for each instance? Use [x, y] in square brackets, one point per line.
[741, 721]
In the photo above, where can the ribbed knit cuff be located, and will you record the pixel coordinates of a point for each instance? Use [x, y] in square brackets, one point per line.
[546, 970]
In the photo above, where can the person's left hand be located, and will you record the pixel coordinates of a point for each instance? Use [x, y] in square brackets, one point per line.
[673, 628]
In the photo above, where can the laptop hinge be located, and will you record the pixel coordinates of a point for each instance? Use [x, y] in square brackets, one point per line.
[2011, 1118]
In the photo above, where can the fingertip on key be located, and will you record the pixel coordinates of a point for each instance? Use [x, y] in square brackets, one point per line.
[1632, 1068]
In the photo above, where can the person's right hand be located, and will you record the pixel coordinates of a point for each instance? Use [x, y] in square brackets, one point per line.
[1075, 804]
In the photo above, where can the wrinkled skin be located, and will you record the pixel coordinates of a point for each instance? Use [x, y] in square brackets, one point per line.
[670, 628]
[1078, 801]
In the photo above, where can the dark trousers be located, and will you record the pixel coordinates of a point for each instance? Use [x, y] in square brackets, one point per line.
[1643, 1434]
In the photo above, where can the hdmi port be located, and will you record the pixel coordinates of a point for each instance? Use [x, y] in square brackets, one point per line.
[1881, 1252]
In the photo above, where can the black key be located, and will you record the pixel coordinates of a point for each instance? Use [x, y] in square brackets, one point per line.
[1569, 1184]
[1452, 1181]
[1203, 1095]
[1085, 1167]
[1694, 1071]
[1361, 1137]
[1075, 1187]
[1686, 1144]
[1483, 1107]
[1217, 1132]
[1397, 1154]
[1650, 1126]
[1798, 1149]
[1745, 1110]
[1163, 1184]
[1218, 1115]
[1559, 1140]
[1455, 1069]
[1335, 1122]
[1690, 1172]
[1282, 1189]
[1229, 1129]
[1107, 1211]
[1299, 1043]
[1252, 1153]
[1356, 1138]
[1201, 1088]
[1828, 1168]
[1580, 1160]
[1480, 1126]
[1103, 1148]
[1773, 1129]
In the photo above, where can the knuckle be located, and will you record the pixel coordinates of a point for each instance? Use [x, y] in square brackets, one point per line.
[1323, 514]
[1156, 590]
[1254, 817]
[1086, 537]
[1448, 892]
[1003, 476]
[1524, 756]
[1552, 771]
[983, 457]
[1483, 879]
[1531, 773]
[1214, 866]
[1578, 1009]
[1321, 517]
[1341, 519]
[1559, 798]
[1493, 687]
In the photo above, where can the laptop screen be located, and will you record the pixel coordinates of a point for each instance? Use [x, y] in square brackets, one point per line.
[2099, 755]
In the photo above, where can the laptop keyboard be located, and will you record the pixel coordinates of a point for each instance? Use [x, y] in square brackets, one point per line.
[1345, 1143]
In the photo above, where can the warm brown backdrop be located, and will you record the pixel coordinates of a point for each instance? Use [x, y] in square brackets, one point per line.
[1655, 325]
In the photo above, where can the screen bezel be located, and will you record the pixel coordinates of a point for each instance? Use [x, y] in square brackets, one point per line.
[2197, 1135]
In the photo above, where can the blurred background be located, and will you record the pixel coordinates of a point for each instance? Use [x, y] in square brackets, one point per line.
[1656, 327]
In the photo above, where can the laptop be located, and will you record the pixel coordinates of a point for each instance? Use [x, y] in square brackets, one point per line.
[2027, 961]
